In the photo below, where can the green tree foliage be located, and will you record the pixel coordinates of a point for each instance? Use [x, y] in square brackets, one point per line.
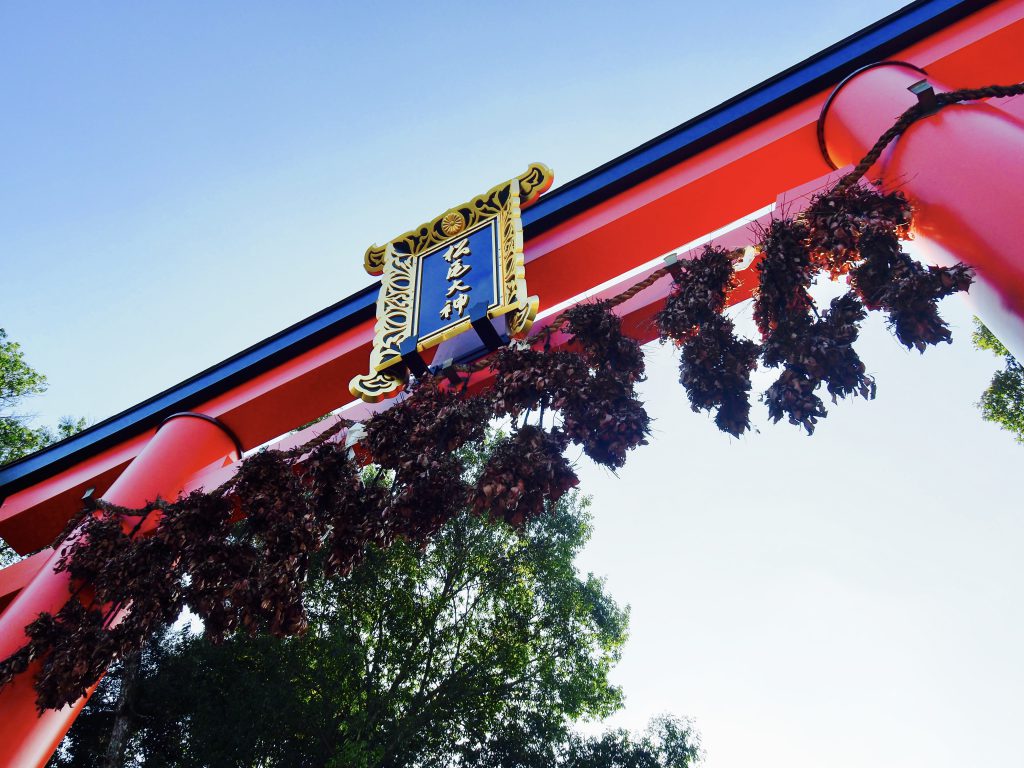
[1003, 402]
[668, 743]
[7, 555]
[481, 649]
[19, 380]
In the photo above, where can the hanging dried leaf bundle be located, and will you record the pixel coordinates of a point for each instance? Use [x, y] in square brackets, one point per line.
[849, 230]
[715, 364]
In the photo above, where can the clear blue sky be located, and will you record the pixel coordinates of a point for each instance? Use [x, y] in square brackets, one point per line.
[179, 181]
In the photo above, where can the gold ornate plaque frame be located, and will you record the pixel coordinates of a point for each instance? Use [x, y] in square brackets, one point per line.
[398, 264]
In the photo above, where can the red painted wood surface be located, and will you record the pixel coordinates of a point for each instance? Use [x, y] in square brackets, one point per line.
[963, 168]
[180, 449]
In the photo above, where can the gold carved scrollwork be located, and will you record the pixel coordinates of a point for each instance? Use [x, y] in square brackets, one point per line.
[397, 263]
[394, 324]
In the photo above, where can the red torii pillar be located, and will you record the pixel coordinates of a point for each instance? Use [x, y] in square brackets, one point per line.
[185, 444]
[963, 170]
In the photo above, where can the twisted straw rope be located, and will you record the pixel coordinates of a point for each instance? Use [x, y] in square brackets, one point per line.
[908, 118]
[915, 113]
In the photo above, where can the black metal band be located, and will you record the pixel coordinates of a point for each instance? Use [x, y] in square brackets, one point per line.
[220, 424]
[835, 91]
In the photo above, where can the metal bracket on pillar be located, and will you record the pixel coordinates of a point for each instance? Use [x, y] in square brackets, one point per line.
[925, 96]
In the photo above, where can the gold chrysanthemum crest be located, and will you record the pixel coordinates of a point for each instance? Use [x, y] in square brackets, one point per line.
[452, 223]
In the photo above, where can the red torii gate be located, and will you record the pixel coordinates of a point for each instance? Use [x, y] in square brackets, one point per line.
[963, 168]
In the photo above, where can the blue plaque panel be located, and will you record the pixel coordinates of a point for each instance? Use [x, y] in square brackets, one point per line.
[455, 279]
